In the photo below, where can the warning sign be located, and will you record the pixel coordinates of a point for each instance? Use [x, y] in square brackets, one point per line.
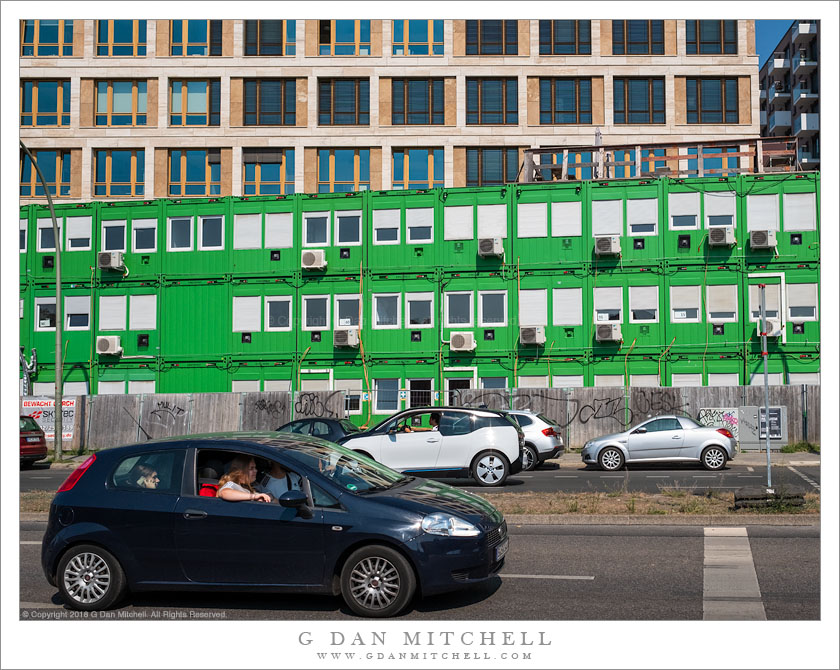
[42, 409]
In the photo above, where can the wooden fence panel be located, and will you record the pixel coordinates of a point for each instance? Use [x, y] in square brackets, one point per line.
[265, 411]
[319, 404]
[214, 412]
[112, 421]
[166, 414]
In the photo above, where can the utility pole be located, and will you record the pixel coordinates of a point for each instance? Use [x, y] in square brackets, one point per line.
[59, 408]
[762, 289]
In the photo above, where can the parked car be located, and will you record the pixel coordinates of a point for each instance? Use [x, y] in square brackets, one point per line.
[355, 527]
[327, 429]
[660, 440]
[480, 443]
[33, 443]
[542, 437]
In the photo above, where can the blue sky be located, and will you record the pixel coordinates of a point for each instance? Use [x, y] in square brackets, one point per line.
[767, 36]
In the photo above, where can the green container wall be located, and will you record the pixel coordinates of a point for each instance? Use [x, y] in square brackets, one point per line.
[264, 341]
[28, 242]
[193, 377]
[70, 373]
[127, 372]
[263, 371]
[196, 262]
[782, 364]
[145, 265]
[76, 265]
[328, 286]
[406, 256]
[26, 314]
[463, 254]
[333, 204]
[806, 363]
[565, 335]
[651, 252]
[398, 341]
[77, 343]
[195, 320]
[698, 249]
[503, 336]
[624, 365]
[704, 363]
[271, 256]
[130, 334]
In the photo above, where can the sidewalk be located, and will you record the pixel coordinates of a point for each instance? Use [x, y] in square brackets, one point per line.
[572, 460]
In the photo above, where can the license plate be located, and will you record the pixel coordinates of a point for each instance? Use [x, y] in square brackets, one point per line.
[501, 550]
[33, 439]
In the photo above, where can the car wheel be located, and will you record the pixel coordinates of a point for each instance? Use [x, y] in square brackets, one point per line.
[90, 578]
[610, 459]
[377, 581]
[490, 468]
[530, 459]
[713, 458]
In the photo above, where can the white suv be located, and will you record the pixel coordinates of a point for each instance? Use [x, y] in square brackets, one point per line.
[447, 442]
[542, 437]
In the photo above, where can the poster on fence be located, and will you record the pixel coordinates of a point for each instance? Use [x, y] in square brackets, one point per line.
[724, 417]
[42, 409]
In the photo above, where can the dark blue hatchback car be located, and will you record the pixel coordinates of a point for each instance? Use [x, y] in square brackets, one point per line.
[148, 517]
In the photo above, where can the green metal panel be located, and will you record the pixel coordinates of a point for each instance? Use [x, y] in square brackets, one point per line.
[143, 263]
[194, 261]
[271, 252]
[77, 343]
[270, 338]
[624, 364]
[804, 363]
[262, 371]
[463, 253]
[26, 224]
[702, 363]
[490, 338]
[193, 377]
[341, 257]
[638, 245]
[318, 339]
[413, 252]
[77, 264]
[137, 338]
[195, 320]
[408, 339]
[572, 329]
[128, 371]
[76, 372]
[26, 319]
[640, 326]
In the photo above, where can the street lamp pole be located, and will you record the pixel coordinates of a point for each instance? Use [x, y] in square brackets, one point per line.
[59, 409]
[762, 288]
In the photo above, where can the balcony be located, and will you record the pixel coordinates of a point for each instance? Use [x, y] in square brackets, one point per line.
[803, 64]
[779, 123]
[778, 97]
[778, 65]
[806, 124]
[803, 33]
[807, 159]
[803, 95]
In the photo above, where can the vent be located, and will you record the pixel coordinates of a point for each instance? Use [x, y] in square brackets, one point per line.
[313, 259]
[462, 341]
[532, 335]
[723, 236]
[608, 245]
[608, 332]
[108, 344]
[490, 246]
[346, 337]
[762, 239]
[110, 260]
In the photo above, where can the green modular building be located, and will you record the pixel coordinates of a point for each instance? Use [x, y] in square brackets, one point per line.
[398, 298]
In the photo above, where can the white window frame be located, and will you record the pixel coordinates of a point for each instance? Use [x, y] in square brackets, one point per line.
[276, 298]
[567, 219]
[38, 303]
[376, 298]
[304, 311]
[408, 389]
[595, 308]
[336, 216]
[446, 322]
[87, 222]
[205, 247]
[115, 223]
[754, 302]
[459, 223]
[720, 203]
[24, 226]
[240, 300]
[655, 319]
[683, 204]
[789, 305]
[143, 224]
[383, 410]
[606, 209]
[482, 383]
[132, 320]
[169, 222]
[416, 217]
[731, 319]
[558, 319]
[672, 309]
[420, 297]
[351, 387]
[307, 216]
[116, 303]
[346, 296]
[382, 219]
[482, 322]
[43, 224]
[634, 204]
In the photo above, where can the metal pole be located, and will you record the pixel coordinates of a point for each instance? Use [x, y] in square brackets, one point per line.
[59, 409]
[762, 288]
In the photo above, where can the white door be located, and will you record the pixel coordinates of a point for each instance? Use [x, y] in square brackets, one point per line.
[458, 444]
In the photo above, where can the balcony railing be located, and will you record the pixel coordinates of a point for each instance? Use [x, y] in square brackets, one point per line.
[803, 65]
[807, 124]
[778, 65]
[802, 94]
[804, 32]
[778, 121]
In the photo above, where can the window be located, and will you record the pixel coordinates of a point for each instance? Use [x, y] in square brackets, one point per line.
[158, 472]
[711, 100]
[344, 38]
[269, 102]
[180, 234]
[270, 38]
[211, 233]
[567, 307]
[419, 310]
[121, 103]
[772, 299]
[565, 101]
[343, 170]
[722, 303]
[112, 312]
[530, 382]
[346, 310]
[607, 217]
[763, 212]
[711, 37]
[138, 386]
[609, 380]
[679, 379]
[79, 233]
[195, 38]
[278, 313]
[532, 219]
[684, 210]
[724, 379]
[352, 394]
[111, 388]
[566, 219]
[642, 216]
[565, 38]
[113, 235]
[268, 171]
[246, 314]
[720, 208]
[492, 308]
[802, 302]
[417, 38]
[386, 310]
[387, 395]
[195, 172]
[46, 234]
[44, 314]
[639, 101]
[644, 304]
[121, 38]
[46, 38]
[142, 312]
[316, 229]
[55, 166]
[800, 211]
[44, 103]
[533, 307]
[417, 102]
[316, 315]
[492, 101]
[492, 166]
[417, 168]
[194, 102]
[348, 228]
[638, 38]
[567, 381]
[419, 225]
[490, 38]
[343, 102]
[685, 304]
[494, 382]
[608, 306]
[458, 309]
[419, 395]
[145, 235]
[22, 238]
[119, 172]
[458, 223]
[448, 419]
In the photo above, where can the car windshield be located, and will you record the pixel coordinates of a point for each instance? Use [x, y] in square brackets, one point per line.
[28, 423]
[550, 422]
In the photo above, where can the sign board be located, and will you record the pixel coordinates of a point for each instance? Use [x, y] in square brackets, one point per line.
[402, 395]
[775, 423]
[42, 409]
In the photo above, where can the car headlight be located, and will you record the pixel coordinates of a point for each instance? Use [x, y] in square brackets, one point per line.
[445, 524]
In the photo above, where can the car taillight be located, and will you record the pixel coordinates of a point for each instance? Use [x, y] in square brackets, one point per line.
[724, 431]
[549, 432]
[76, 475]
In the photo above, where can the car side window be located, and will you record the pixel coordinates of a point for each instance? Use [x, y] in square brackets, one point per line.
[523, 420]
[301, 428]
[671, 424]
[159, 471]
[654, 426]
[320, 429]
[455, 423]
[321, 498]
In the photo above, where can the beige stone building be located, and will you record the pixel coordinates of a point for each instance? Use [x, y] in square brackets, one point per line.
[145, 108]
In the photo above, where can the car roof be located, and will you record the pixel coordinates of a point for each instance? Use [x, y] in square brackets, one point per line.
[222, 440]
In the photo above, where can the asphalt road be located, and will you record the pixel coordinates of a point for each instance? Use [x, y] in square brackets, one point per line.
[551, 573]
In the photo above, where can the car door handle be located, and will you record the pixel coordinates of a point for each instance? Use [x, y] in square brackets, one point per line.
[431, 439]
[195, 514]
[677, 437]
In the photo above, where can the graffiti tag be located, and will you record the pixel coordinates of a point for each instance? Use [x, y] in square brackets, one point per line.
[166, 412]
[720, 416]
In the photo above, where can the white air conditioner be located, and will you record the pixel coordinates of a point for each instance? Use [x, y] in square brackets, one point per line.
[108, 344]
[608, 332]
[721, 236]
[762, 239]
[532, 335]
[313, 259]
[346, 337]
[774, 327]
[608, 245]
[490, 246]
[111, 260]
[462, 341]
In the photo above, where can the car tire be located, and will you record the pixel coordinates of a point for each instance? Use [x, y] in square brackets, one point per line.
[530, 458]
[490, 468]
[713, 458]
[377, 582]
[90, 578]
[611, 459]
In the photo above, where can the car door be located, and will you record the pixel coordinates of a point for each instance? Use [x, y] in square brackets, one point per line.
[458, 445]
[416, 451]
[663, 439]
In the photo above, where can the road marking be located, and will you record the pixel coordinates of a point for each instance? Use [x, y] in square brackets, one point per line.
[577, 577]
[657, 476]
[749, 476]
[806, 478]
[730, 584]
[30, 542]
[565, 476]
[524, 476]
[612, 477]
[40, 477]
[750, 468]
[705, 476]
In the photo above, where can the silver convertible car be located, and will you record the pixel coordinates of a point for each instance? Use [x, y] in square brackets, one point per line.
[662, 439]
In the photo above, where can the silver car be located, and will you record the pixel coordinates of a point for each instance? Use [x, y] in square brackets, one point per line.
[663, 439]
[542, 437]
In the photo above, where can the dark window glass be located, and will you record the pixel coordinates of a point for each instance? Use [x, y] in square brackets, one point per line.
[711, 100]
[634, 38]
[711, 37]
[269, 102]
[565, 38]
[156, 472]
[417, 102]
[492, 38]
[264, 38]
[638, 101]
[343, 102]
[492, 102]
[492, 166]
[565, 101]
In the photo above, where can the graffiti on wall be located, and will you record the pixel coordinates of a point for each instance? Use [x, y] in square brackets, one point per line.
[167, 413]
[279, 407]
[720, 416]
[319, 405]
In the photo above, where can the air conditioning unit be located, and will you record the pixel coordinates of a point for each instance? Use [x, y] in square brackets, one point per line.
[108, 344]
[111, 260]
[779, 85]
[608, 245]
[490, 246]
[762, 239]
[608, 332]
[774, 327]
[346, 337]
[532, 335]
[462, 341]
[722, 236]
[313, 259]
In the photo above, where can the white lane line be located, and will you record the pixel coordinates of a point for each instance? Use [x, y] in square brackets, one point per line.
[524, 476]
[805, 477]
[749, 476]
[750, 468]
[40, 477]
[565, 476]
[612, 477]
[705, 476]
[657, 476]
[577, 577]
[30, 542]
[730, 584]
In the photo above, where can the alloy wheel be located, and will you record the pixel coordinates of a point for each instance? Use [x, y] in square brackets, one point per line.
[714, 459]
[611, 459]
[87, 578]
[490, 469]
[374, 583]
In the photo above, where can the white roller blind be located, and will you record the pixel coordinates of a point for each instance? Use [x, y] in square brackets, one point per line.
[458, 223]
[644, 297]
[347, 384]
[142, 312]
[565, 219]
[492, 220]
[771, 298]
[608, 297]
[246, 314]
[724, 379]
[138, 386]
[800, 211]
[79, 227]
[609, 380]
[111, 388]
[684, 204]
[645, 380]
[533, 310]
[315, 385]
[642, 210]
[686, 379]
[532, 219]
[278, 230]
[245, 385]
[763, 212]
[685, 297]
[247, 231]
[567, 381]
[533, 382]
[112, 312]
[420, 216]
[386, 218]
[75, 388]
[722, 298]
[277, 385]
[804, 378]
[773, 379]
[77, 304]
[568, 306]
[799, 296]
[720, 203]
[606, 217]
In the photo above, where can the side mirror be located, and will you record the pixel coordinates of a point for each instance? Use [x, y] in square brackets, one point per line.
[641, 430]
[296, 499]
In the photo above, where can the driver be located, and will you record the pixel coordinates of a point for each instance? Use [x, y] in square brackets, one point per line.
[434, 424]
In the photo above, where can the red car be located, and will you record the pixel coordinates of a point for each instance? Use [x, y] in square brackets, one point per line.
[33, 444]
